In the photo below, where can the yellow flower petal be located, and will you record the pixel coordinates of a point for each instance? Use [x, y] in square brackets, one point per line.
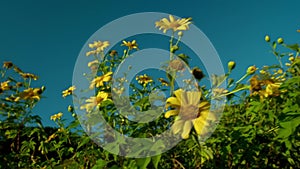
[199, 124]
[171, 113]
[186, 129]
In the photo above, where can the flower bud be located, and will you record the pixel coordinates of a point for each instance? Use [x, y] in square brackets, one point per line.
[70, 108]
[251, 70]
[280, 40]
[267, 38]
[174, 49]
[231, 65]
[180, 33]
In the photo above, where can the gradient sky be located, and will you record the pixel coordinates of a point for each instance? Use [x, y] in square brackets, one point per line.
[45, 37]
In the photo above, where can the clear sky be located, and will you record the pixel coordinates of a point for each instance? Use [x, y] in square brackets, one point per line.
[45, 37]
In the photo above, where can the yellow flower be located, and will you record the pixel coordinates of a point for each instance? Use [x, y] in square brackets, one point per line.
[99, 81]
[28, 76]
[190, 111]
[94, 101]
[144, 79]
[31, 94]
[4, 86]
[56, 116]
[7, 65]
[130, 45]
[69, 91]
[99, 46]
[175, 25]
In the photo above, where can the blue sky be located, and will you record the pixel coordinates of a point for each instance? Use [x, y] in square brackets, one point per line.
[45, 37]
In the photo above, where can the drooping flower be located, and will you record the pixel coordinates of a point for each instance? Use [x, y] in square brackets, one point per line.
[56, 116]
[190, 111]
[99, 81]
[130, 45]
[179, 24]
[94, 101]
[99, 46]
[69, 91]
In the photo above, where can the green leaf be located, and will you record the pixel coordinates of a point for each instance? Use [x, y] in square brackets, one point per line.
[100, 164]
[142, 163]
[155, 160]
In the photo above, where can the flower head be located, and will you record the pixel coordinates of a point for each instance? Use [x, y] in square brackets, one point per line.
[99, 81]
[56, 116]
[99, 46]
[130, 45]
[144, 79]
[31, 94]
[69, 91]
[94, 101]
[4, 86]
[186, 105]
[179, 24]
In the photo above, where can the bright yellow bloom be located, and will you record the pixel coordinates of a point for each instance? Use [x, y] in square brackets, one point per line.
[31, 94]
[4, 86]
[99, 46]
[69, 91]
[175, 25]
[186, 105]
[144, 79]
[99, 81]
[130, 45]
[56, 116]
[94, 101]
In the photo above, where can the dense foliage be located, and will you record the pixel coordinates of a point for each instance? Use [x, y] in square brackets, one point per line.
[259, 127]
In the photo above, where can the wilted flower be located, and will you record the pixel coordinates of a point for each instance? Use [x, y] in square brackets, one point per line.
[197, 73]
[29, 76]
[177, 64]
[163, 82]
[7, 65]
[179, 24]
